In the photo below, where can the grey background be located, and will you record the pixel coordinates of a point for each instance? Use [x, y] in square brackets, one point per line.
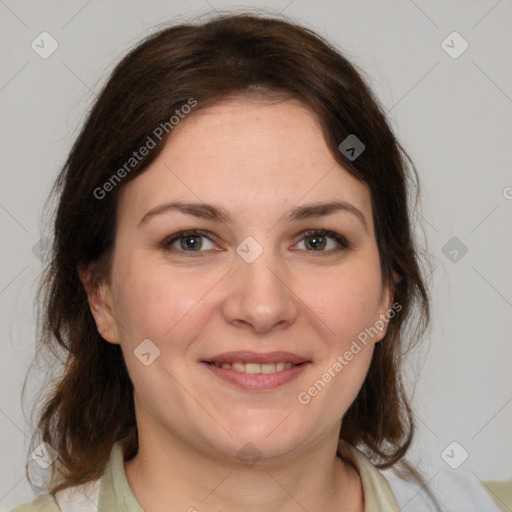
[453, 116]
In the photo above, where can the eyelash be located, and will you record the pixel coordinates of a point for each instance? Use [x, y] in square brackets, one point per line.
[343, 243]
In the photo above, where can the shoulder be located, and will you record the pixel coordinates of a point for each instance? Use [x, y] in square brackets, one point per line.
[452, 491]
[79, 498]
[501, 493]
[44, 503]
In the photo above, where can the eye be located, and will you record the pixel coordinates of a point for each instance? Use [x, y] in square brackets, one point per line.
[196, 241]
[317, 240]
[187, 241]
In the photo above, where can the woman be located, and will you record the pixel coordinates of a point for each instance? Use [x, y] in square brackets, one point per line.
[232, 269]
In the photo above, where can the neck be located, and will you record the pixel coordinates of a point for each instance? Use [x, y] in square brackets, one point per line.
[171, 473]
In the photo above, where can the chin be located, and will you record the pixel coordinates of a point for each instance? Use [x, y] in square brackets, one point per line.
[265, 436]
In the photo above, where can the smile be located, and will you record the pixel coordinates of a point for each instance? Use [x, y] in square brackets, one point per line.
[256, 371]
[253, 368]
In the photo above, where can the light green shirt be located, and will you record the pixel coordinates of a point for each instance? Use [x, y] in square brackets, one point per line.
[112, 493]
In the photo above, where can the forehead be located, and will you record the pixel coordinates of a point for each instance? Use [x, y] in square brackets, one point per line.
[251, 156]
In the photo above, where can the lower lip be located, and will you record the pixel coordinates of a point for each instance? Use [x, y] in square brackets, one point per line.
[257, 381]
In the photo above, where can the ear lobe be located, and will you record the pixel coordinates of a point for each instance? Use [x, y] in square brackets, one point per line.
[383, 320]
[100, 304]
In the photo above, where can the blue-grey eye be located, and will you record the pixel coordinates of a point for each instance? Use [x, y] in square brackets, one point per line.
[318, 241]
[191, 241]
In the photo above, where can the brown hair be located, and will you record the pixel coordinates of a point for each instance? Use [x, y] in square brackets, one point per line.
[90, 405]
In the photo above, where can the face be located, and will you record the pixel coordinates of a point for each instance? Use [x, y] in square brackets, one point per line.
[252, 271]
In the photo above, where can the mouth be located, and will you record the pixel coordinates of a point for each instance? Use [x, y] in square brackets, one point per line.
[253, 368]
[254, 371]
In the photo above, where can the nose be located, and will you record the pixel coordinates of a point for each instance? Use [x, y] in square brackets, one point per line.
[260, 295]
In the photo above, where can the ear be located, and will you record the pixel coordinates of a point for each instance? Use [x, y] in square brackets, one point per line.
[100, 303]
[385, 311]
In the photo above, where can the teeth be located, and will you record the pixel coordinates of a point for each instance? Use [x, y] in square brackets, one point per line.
[252, 368]
[255, 367]
[238, 367]
[268, 368]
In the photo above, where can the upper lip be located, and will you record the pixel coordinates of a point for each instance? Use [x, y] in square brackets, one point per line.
[246, 356]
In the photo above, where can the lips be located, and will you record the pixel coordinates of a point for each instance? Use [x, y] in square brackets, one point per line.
[252, 368]
[254, 371]
[257, 358]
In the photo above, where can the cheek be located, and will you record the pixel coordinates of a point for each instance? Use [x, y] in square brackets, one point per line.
[168, 308]
[156, 303]
[347, 301]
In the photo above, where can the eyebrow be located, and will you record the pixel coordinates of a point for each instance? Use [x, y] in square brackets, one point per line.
[216, 213]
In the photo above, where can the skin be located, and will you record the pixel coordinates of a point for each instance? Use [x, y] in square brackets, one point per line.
[258, 160]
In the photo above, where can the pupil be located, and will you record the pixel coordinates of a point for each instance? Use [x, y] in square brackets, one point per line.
[317, 242]
[191, 242]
